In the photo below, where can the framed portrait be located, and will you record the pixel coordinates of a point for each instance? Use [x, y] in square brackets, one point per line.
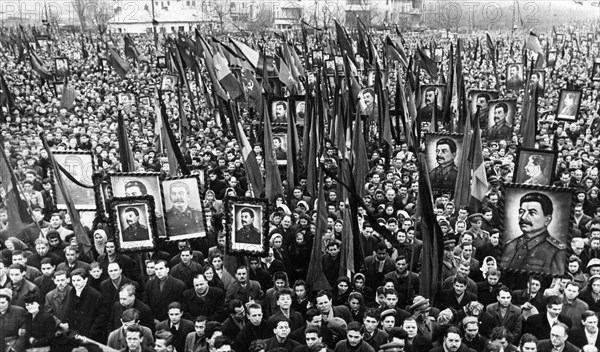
[168, 83]
[80, 165]
[540, 215]
[442, 154]
[535, 167]
[367, 101]
[184, 215]
[126, 100]
[481, 99]
[104, 65]
[438, 55]
[538, 77]
[330, 67]
[161, 62]
[61, 66]
[339, 64]
[300, 110]
[58, 89]
[560, 38]
[514, 76]
[590, 37]
[596, 72]
[432, 93]
[501, 120]
[568, 104]
[134, 223]
[145, 101]
[317, 57]
[551, 59]
[280, 148]
[247, 226]
[134, 184]
[279, 111]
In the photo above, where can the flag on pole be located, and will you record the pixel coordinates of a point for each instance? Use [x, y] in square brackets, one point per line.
[16, 206]
[533, 43]
[68, 96]
[78, 229]
[121, 66]
[315, 276]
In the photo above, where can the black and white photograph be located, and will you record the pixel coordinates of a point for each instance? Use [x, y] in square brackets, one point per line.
[134, 223]
[280, 148]
[568, 105]
[300, 110]
[135, 184]
[501, 120]
[438, 55]
[432, 103]
[479, 101]
[317, 58]
[534, 167]
[330, 67]
[514, 76]
[169, 83]
[551, 59]
[537, 223]
[80, 165]
[184, 215]
[537, 80]
[61, 67]
[161, 62]
[126, 100]
[443, 152]
[279, 111]
[367, 101]
[596, 72]
[247, 226]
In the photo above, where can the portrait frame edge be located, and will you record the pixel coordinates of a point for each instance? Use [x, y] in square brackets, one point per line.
[101, 204]
[229, 203]
[521, 150]
[502, 211]
[168, 237]
[436, 191]
[560, 99]
[53, 176]
[114, 218]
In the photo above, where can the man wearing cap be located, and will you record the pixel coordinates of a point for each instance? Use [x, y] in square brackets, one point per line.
[248, 233]
[473, 338]
[535, 250]
[14, 324]
[421, 310]
[444, 175]
[480, 236]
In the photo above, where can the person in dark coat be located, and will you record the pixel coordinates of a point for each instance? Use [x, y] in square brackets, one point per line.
[256, 328]
[45, 282]
[20, 285]
[178, 326]
[331, 262]
[538, 324]
[557, 341]
[128, 265]
[281, 330]
[354, 340]
[532, 296]
[579, 336]
[110, 287]
[376, 266]
[456, 297]
[87, 315]
[43, 325]
[453, 342]
[203, 300]
[14, 323]
[162, 290]
[127, 299]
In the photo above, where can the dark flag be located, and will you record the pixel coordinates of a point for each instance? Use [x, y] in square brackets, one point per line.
[68, 96]
[425, 62]
[431, 260]
[344, 43]
[78, 229]
[315, 275]
[124, 147]
[16, 207]
[38, 66]
[6, 97]
[273, 185]
[121, 66]
[84, 51]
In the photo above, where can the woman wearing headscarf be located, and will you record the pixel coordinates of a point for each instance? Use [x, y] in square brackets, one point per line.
[99, 246]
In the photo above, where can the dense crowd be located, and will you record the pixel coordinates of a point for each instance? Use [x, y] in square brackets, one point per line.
[183, 297]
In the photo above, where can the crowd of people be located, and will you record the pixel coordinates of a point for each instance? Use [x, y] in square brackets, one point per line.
[56, 295]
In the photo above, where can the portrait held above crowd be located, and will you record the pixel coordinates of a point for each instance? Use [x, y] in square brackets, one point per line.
[335, 189]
